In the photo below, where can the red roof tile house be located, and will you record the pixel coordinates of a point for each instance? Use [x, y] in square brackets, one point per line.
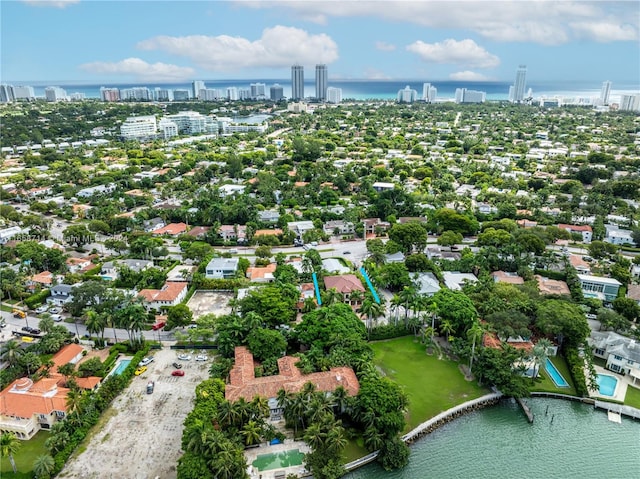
[345, 284]
[584, 230]
[172, 293]
[244, 384]
[173, 229]
[27, 406]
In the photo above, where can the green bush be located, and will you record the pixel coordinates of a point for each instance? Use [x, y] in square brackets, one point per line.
[576, 368]
[389, 331]
[37, 299]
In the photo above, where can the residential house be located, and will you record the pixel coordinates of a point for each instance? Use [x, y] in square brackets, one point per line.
[486, 208]
[40, 280]
[233, 233]
[455, 280]
[269, 217]
[7, 233]
[605, 289]
[506, 277]
[622, 354]
[262, 274]
[338, 228]
[172, 229]
[78, 265]
[26, 406]
[394, 258]
[372, 226]
[153, 224]
[580, 265]
[618, 236]
[426, 284]
[231, 190]
[333, 265]
[307, 290]
[61, 294]
[181, 272]
[97, 190]
[222, 268]
[170, 294]
[345, 284]
[552, 286]
[110, 269]
[380, 186]
[198, 232]
[244, 384]
[299, 228]
[584, 230]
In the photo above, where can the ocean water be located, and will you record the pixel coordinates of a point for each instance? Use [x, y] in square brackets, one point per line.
[370, 89]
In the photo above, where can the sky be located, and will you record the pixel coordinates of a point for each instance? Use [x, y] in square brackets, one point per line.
[121, 41]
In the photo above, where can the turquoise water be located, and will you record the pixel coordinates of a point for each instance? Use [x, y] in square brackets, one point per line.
[315, 285]
[566, 440]
[371, 288]
[122, 365]
[606, 384]
[555, 374]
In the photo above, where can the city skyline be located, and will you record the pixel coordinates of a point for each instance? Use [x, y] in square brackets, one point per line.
[478, 41]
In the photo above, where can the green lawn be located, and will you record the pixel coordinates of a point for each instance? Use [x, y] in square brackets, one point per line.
[545, 384]
[25, 457]
[432, 385]
[354, 450]
[632, 397]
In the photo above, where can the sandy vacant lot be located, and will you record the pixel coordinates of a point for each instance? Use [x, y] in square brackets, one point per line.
[205, 302]
[142, 438]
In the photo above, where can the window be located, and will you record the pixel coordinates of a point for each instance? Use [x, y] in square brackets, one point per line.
[617, 358]
[615, 367]
[599, 352]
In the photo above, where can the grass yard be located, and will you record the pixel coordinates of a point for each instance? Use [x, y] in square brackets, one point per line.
[25, 457]
[545, 384]
[432, 385]
[354, 449]
[632, 397]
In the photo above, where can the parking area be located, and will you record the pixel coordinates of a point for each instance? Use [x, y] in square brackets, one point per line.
[141, 438]
[206, 302]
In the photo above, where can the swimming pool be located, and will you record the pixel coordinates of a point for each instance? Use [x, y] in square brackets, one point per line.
[606, 384]
[555, 375]
[277, 460]
[122, 365]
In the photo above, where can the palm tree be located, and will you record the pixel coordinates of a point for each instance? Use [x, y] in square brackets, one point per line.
[373, 439]
[540, 354]
[43, 466]
[340, 397]
[356, 296]
[74, 400]
[407, 296]
[335, 441]
[474, 333]
[396, 302]
[447, 328]
[46, 324]
[95, 323]
[308, 305]
[331, 296]
[261, 406]
[252, 433]
[9, 445]
[11, 351]
[314, 436]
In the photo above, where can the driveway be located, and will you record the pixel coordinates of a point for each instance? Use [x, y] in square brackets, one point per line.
[141, 439]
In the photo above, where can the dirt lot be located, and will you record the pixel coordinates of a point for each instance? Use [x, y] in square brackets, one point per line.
[205, 302]
[141, 439]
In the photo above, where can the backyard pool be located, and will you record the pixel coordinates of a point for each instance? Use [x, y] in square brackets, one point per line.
[555, 375]
[277, 460]
[606, 384]
[122, 365]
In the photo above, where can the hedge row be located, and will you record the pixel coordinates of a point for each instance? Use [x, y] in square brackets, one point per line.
[388, 331]
[37, 299]
[576, 368]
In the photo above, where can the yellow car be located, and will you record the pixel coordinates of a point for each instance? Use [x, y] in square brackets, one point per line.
[140, 370]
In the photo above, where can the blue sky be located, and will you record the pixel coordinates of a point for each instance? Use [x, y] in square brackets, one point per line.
[156, 41]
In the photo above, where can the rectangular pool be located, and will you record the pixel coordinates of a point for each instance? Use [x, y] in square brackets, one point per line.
[122, 365]
[555, 375]
[278, 460]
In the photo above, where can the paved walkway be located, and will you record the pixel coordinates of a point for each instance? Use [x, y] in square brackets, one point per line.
[621, 388]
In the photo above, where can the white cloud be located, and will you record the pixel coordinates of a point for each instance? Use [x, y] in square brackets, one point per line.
[468, 75]
[464, 52]
[51, 3]
[605, 31]
[140, 69]
[278, 47]
[548, 22]
[385, 47]
[375, 74]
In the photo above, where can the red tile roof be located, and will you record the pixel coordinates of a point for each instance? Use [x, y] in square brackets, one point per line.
[244, 384]
[171, 229]
[169, 292]
[346, 283]
[574, 227]
[551, 286]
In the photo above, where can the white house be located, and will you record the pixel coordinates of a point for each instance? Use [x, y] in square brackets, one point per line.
[454, 280]
[584, 230]
[97, 190]
[170, 294]
[617, 235]
[222, 268]
[621, 353]
[61, 294]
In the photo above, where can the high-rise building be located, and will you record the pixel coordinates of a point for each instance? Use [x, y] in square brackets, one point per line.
[334, 95]
[517, 94]
[136, 94]
[407, 95]
[232, 93]
[630, 102]
[605, 92]
[212, 94]
[7, 94]
[470, 96]
[276, 93]
[109, 94]
[139, 127]
[55, 93]
[163, 94]
[297, 82]
[24, 92]
[181, 94]
[322, 77]
[77, 96]
[429, 92]
[258, 91]
[196, 86]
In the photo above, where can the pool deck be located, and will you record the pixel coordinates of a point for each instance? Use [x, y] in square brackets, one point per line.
[621, 388]
[288, 444]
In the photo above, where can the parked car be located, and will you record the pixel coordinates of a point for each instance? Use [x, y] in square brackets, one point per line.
[346, 252]
[177, 365]
[184, 357]
[35, 331]
[192, 326]
[140, 370]
[41, 309]
[19, 314]
[158, 325]
[146, 361]
[150, 386]
[202, 357]
[55, 310]
[56, 317]
[178, 372]
[28, 329]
